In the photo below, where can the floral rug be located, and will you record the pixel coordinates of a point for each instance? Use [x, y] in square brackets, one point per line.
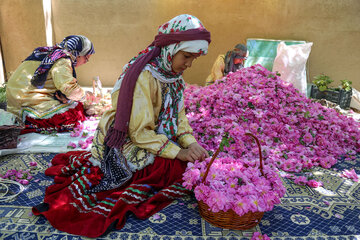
[328, 212]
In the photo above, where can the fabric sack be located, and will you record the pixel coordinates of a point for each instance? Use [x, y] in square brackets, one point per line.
[290, 62]
[355, 100]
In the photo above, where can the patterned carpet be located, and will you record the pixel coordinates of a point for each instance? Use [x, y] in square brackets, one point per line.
[331, 212]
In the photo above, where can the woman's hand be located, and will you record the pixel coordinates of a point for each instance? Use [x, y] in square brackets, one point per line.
[192, 153]
[90, 97]
[61, 97]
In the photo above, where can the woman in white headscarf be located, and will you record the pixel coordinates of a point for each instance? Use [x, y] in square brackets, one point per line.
[142, 145]
[43, 91]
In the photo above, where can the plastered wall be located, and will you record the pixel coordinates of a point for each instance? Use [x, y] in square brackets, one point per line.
[22, 28]
[121, 28]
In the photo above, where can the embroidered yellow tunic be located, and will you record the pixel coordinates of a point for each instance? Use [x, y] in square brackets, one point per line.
[40, 103]
[217, 70]
[143, 142]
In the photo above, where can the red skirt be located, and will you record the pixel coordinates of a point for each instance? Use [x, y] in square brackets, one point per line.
[68, 208]
[62, 122]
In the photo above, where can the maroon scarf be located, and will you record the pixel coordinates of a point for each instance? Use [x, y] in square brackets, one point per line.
[115, 136]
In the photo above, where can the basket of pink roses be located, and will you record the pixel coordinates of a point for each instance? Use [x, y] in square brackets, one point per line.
[234, 193]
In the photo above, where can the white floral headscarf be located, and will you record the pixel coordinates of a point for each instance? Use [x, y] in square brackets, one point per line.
[160, 67]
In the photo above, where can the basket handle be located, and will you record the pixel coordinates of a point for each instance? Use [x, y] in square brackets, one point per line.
[218, 151]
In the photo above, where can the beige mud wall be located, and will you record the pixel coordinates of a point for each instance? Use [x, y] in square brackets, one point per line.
[22, 28]
[121, 28]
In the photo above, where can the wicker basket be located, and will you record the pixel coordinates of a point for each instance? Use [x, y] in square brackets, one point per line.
[230, 219]
[9, 135]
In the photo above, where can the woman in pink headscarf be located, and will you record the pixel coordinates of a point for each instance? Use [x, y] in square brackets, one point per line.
[142, 144]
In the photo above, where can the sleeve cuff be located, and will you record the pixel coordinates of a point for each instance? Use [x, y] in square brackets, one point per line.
[168, 150]
[185, 139]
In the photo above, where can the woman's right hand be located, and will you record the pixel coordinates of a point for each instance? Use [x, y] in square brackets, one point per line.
[192, 154]
[90, 97]
[185, 155]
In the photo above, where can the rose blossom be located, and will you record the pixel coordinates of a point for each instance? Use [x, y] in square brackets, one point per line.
[313, 183]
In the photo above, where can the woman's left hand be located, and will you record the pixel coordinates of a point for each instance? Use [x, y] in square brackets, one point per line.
[198, 151]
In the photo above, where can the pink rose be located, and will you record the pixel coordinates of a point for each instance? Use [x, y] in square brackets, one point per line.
[24, 181]
[75, 134]
[33, 164]
[314, 184]
[350, 174]
[71, 145]
[258, 236]
[300, 180]
[89, 139]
